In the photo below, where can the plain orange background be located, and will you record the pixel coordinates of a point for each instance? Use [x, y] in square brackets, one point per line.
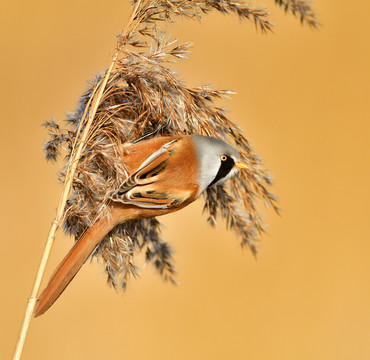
[303, 100]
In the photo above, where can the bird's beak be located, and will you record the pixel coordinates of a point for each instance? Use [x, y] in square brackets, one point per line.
[241, 165]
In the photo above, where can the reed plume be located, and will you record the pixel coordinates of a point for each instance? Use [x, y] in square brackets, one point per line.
[143, 97]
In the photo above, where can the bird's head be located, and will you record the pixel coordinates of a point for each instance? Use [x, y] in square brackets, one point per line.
[217, 161]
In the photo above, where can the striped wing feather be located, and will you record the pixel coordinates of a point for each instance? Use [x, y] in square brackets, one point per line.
[138, 188]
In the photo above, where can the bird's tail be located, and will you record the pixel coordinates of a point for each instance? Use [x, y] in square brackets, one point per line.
[72, 263]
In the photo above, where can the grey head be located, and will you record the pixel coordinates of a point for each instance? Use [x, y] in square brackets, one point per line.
[217, 161]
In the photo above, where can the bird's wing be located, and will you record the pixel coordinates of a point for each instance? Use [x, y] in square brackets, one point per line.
[151, 197]
[141, 188]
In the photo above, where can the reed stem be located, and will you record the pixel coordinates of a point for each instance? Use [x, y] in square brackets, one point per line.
[93, 103]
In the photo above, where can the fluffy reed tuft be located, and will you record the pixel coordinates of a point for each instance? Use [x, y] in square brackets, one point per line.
[300, 8]
[144, 98]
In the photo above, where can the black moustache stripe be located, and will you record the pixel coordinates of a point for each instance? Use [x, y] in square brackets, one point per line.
[224, 169]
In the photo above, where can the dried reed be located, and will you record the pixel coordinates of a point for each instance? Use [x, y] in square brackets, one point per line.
[139, 96]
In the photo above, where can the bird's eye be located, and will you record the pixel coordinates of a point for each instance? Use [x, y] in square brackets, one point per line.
[223, 157]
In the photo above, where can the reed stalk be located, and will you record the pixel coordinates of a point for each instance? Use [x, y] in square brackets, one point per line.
[93, 103]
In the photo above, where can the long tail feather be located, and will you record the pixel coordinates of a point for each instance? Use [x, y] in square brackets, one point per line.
[72, 263]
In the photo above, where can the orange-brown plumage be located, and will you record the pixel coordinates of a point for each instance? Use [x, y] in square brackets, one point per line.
[165, 174]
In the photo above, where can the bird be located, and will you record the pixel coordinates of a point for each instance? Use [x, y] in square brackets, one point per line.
[165, 174]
